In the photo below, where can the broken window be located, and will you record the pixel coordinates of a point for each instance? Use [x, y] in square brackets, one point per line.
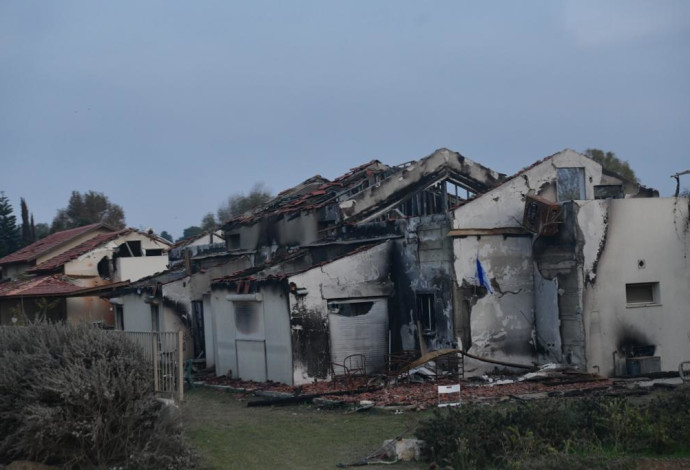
[129, 249]
[570, 184]
[154, 252]
[642, 293]
[425, 312]
[247, 317]
[351, 309]
[608, 191]
[234, 241]
[104, 268]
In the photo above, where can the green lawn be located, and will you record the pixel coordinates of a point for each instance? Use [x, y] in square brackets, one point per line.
[228, 435]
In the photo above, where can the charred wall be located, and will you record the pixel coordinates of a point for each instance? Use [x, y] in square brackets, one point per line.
[560, 258]
[422, 271]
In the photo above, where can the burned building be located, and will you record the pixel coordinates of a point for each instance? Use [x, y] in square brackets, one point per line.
[549, 265]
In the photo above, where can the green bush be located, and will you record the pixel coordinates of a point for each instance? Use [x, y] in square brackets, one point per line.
[80, 397]
[555, 431]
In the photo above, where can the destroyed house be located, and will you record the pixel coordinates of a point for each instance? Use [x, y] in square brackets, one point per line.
[66, 285]
[406, 206]
[551, 264]
[581, 267]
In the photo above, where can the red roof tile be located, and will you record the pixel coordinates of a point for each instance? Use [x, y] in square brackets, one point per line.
[90, 244]
[49, 285]
[31, 252]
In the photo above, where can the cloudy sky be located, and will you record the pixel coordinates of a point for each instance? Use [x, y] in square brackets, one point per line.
[169, 107]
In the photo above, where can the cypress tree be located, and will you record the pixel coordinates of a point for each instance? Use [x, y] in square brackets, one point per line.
[9, 233]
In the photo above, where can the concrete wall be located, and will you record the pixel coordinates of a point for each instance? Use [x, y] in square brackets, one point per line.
[136, 314]
[131, 269]
[498, 325]
[295, 229]
[422, 264]
[362, 275]
[90, 310]
[69, 245]
[655, 232]
[536, 311]
[504, 206]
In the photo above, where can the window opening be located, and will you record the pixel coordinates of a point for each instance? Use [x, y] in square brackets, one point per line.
[129, 249]
[425, 312]
[234, 241]
[570, 184]
[642, 293]
[351, 309]
[104, 268]
[247, 317]
[154, 252]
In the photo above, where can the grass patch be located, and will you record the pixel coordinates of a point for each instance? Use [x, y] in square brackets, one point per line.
[228, 435]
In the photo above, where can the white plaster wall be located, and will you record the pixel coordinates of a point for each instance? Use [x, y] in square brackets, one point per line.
[656, 231]
[277, 324]
[367, 266]
[133, 269]
[69, 245]
[136, 314]
[504, 205]
[225, 332]
[207, 239]
[502, 323]
[209, 332]
[592, 218]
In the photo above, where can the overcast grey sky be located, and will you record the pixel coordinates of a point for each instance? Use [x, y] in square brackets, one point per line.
[168, 107]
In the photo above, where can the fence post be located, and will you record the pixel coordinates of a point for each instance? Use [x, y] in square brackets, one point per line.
[180, 365]
[154, 354]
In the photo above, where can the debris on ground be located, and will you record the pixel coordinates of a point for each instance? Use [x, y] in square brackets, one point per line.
[549, 381]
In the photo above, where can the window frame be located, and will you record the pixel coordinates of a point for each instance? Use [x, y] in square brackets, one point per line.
[655, 294]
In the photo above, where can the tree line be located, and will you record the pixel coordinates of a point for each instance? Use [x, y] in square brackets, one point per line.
[94, 207]
[82, 209]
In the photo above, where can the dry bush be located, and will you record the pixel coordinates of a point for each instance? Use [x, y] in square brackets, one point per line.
[80, 397]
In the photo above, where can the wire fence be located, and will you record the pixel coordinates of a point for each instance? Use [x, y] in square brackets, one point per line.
[164, 351]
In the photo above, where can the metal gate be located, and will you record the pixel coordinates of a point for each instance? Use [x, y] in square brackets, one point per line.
[163, 350]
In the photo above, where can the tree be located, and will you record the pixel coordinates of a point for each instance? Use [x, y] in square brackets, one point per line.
[90, 208]
[240, 203]
[611, 162]
[190, 232]
[9, 233]
[40, 230]
[208, 222]
[26, 225]
[167, 236]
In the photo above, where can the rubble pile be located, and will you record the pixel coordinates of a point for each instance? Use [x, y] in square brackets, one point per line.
[419, 394]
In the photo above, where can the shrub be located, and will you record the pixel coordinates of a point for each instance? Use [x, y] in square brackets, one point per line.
[80, 397]
[538, 434]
